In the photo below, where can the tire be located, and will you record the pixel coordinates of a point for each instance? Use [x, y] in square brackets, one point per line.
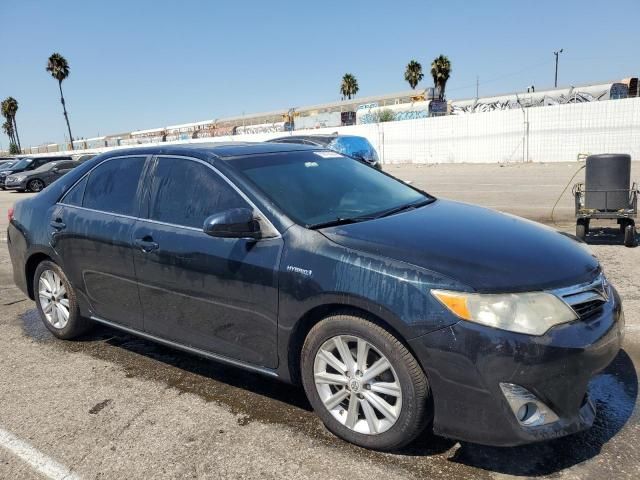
[410, 409]
[53, 278]
[35, 185]
[630, 236]
[581, 231]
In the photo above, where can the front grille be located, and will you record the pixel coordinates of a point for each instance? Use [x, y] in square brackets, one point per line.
[586, 299]
[587, 309]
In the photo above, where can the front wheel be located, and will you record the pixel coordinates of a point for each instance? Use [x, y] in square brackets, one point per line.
[56, 302]
[364, 384]
[35, 185]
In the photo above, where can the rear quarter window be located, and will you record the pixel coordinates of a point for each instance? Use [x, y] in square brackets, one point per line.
[75, 195]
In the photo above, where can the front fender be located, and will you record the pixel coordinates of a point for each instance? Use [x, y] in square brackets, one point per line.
[315, 271]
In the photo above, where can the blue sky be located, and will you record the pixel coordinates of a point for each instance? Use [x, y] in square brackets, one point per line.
[144, 64]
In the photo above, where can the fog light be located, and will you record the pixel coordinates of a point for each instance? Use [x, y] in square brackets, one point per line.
[525, 411]
[526, 407]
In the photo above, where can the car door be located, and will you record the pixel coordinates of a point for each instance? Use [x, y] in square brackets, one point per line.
[215, 294]
[91, 230]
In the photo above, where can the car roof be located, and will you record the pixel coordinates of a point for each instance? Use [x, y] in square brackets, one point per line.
[320, 139]
[49, 158]
[323, 138]
[220, 150]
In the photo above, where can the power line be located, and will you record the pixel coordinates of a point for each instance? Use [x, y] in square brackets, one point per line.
[501, 77]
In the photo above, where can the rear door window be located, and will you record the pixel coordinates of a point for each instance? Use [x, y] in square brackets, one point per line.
[185, 192]
[112, 186]
[66, 165]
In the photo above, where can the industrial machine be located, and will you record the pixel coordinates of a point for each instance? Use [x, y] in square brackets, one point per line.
[607, 194]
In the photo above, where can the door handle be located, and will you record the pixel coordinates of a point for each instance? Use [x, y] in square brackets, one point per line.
[146, 244]
[58, 224]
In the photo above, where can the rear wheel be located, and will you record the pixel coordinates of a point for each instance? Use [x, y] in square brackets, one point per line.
[35, 185]
[364, 384]
[582, 228]
[630, 236]
[56, 302]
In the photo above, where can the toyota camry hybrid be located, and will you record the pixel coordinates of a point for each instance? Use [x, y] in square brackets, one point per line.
[394, 309]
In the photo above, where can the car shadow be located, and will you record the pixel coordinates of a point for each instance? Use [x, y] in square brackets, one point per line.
[184, 371]
[605, 236]
[252, 395]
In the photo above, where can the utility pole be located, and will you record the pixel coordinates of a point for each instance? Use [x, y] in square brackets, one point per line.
[477, 85]
[557, 54]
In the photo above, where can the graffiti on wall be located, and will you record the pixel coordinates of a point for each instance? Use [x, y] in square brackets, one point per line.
[260, 128]
[542, 99]
[399, 112]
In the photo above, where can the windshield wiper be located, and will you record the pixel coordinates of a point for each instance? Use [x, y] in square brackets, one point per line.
[346, 220]
[402, 208]
[337, 221]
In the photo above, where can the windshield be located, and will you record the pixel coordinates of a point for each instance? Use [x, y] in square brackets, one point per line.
[322, 187]
[7, 166]
[46, 166]
[22, 164]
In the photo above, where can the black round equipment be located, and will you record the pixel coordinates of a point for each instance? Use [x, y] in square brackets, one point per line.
[607, 172]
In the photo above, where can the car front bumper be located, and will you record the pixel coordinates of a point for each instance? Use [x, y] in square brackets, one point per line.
[466, 362]
[15, 184]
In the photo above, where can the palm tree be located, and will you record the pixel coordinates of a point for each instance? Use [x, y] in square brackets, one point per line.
[349, 86]
[413, 74]
[7, 126]
[440, 71]
[9, 110]
[59, 69]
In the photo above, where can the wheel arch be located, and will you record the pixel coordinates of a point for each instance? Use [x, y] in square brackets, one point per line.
[318, 313]
[30, 269]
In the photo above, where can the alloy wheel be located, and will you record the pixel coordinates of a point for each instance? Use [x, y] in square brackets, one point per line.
[357, 384]
[53, 299]
[36, 185]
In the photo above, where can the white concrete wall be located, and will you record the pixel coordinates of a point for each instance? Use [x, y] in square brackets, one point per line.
[557, 133]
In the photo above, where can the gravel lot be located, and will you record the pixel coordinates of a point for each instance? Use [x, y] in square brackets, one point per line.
[112, 406]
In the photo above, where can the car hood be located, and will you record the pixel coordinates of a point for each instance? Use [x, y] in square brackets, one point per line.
[487, 250]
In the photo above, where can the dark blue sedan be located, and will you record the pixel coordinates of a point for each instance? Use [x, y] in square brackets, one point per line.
[394, 309]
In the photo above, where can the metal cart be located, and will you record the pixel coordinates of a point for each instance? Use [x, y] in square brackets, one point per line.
[625, 217]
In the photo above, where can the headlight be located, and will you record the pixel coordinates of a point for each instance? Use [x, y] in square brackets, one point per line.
[530, 313]
[18, 178]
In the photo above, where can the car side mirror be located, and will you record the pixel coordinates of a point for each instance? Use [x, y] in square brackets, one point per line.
[55, 169]
[233, 223]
